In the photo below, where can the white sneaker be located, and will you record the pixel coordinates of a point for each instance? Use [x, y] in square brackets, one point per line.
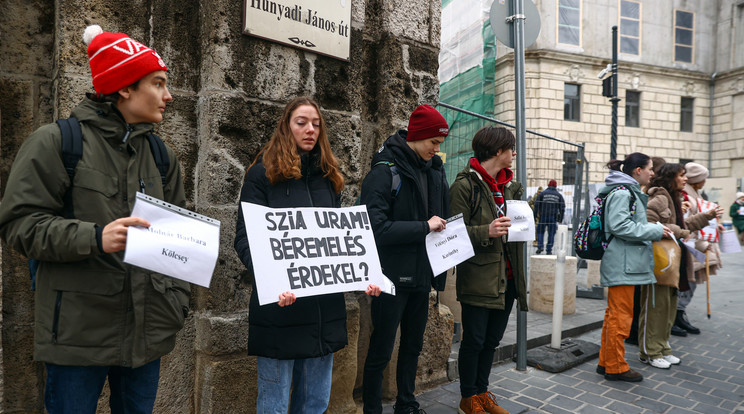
[672, 359]
[659, 363]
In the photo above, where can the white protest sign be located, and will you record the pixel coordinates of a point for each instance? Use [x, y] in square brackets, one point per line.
[312, 251]
[179, 243]
[449, 247]
[729, 242]
[522, 221]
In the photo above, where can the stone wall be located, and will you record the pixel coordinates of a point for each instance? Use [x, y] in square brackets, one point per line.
[229, 90]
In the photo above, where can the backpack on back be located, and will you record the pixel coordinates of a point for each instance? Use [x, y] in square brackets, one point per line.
[72, 152]
[589, 240]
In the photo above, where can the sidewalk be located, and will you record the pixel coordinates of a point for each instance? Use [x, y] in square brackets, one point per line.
[710, 379]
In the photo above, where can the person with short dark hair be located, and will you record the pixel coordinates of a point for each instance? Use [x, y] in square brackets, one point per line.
[490, 282]
[549, 207]
[98, 318]
[401, 216]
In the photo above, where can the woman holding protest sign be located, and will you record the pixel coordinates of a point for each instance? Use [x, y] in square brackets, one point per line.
[294, 339]
[490, 282]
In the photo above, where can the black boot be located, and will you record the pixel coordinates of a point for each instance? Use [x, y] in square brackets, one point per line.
[677, 331]
[682, 322]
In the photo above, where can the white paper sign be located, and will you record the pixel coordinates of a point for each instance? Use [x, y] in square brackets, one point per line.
[179, 243]
[312, 251]
[729, 242]
[449, 247]
[522, 221]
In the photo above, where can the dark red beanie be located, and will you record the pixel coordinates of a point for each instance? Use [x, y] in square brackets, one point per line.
[426, 122]
[117, 61]
[552, 183]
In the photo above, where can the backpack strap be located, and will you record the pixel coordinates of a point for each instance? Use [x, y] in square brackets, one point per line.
[395, 183]
[159, 153]
[72, 151]
[604, 208]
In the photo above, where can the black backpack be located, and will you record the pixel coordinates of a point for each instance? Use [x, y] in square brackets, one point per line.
[72, 152]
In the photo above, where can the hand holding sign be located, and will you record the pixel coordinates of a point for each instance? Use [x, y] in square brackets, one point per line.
[300, 252]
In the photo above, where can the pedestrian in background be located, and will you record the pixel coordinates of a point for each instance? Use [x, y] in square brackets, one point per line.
[96, 317]
[627, 260]
[294, 339]
[407, 197]
[549, 207]
[736, 211]
[490, 282]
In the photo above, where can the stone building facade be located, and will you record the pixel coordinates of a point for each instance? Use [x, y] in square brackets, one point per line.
[681, 67]
[229, 90]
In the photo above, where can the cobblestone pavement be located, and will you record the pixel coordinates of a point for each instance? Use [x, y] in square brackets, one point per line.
[710, 379]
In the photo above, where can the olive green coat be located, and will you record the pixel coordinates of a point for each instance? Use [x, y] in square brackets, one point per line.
[481, 280]
[90, 307]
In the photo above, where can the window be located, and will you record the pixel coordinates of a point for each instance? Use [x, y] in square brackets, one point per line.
[632, 109]
[569, 167]
[569, 22]
[630, 27]
[571, 102]
[685, 114]
[684, 36]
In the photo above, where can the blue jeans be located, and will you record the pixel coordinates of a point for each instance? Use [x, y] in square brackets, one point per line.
[541, 227]
[308, 378]
[74, 389]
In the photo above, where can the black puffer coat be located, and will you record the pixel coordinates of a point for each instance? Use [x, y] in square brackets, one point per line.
[399, 221]
[312, 326]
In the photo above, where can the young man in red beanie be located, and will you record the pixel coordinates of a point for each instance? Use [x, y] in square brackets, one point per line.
[97, 317]
[549, 208]
[407, 197]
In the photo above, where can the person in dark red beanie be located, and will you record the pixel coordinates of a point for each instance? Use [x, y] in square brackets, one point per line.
[407, 197]
[549, 209]
[97, 317]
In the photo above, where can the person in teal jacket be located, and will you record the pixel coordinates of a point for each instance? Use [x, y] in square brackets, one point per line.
[628, 259]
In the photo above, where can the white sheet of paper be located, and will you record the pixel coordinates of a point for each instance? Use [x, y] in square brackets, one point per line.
[741, 211]
[449, 247]
[699, 256]
[179, 242]
[729, 242]
[522, 221]
[312, 251]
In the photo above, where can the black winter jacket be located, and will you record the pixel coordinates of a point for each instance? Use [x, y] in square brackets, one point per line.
[549, 206]
[312, 326]
[399, 221]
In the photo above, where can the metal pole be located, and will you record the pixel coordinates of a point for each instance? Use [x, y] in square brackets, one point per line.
[517, 19]
[578, 191]
[560, 270]
[615, 99]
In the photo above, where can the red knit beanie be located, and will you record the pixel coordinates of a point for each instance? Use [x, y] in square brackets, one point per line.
[426, 122]
[117, 61]
[552, 183]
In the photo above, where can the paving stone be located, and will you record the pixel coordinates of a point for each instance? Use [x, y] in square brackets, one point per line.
[710, 379]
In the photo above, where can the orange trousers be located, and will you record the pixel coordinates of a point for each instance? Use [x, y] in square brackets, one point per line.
[617, 320]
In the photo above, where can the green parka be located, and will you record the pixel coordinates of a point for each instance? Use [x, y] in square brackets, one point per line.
[481, 280]
[90, 307]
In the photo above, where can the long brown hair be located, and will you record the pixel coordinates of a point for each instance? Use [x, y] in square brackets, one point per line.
[281, 158]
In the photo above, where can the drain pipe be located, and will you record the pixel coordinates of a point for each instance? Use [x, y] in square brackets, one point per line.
[712, 85]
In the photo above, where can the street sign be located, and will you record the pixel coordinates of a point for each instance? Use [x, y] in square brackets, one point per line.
[502, 9]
